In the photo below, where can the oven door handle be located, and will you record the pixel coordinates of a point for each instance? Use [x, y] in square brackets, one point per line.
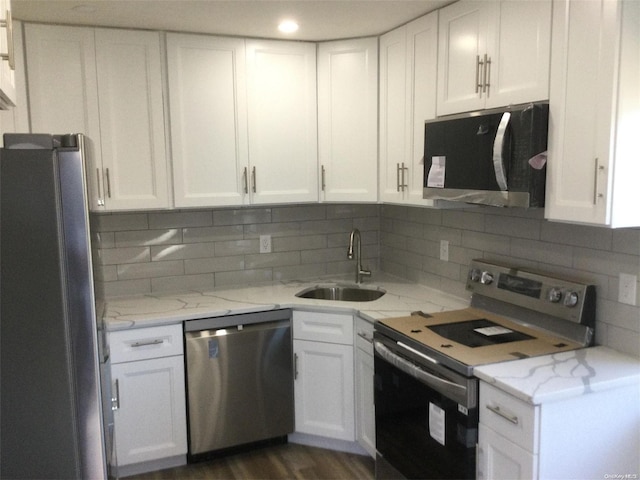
[450, 389]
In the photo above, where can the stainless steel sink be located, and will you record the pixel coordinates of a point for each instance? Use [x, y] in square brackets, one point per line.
[341, 293]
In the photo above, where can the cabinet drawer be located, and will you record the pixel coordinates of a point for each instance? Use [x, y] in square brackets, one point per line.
[323, 327]
[510, 417]
[364, 335]
[144, 343]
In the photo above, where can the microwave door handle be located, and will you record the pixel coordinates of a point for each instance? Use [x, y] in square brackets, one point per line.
[498, 148]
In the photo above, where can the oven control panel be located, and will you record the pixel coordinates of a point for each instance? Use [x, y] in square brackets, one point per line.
[559, 297]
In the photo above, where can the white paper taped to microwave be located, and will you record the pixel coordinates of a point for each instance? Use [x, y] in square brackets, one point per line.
[435, 179]
[436, 423]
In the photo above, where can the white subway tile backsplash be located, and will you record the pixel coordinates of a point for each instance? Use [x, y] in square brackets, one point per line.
[203, 249]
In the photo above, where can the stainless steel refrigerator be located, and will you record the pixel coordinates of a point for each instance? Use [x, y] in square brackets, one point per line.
[50, 395]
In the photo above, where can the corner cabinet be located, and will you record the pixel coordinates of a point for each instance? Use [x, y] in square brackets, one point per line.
[324, 383]
[282, 121]
[208, 116]
[149, 406]
[493, 54]
[408, 76]
[348, 120]
[107, 84]
[593, 169]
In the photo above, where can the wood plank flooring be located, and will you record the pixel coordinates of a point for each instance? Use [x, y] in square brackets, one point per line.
[288, 461]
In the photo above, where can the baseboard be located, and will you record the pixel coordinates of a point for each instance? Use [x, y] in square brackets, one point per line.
[144, 467]
[328, 443]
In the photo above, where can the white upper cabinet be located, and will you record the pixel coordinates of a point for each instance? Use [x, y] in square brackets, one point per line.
[130, 98]
[408, 75]
[282, 119]
[594, 141]
[493, 54]
[348, 120]
[106, 84]
[8, 60]
[62, 82]
[208, 116]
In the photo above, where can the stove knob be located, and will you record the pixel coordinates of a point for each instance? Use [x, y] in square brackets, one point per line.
[571, 299]
[475, 275]
[554, 295]
[486, 278]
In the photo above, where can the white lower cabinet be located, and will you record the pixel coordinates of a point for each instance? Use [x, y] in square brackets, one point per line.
[364, 371]
[324, 386]
[147, 375]
[589, 436]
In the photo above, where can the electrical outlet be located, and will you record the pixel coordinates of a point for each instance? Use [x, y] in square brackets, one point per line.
[627, 286]
[444, 250]
[265, 243]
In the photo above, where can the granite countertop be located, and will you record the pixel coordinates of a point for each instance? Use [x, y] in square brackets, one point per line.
[563, 375]
[402, 297]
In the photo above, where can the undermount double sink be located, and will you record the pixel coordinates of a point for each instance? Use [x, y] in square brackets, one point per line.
[341, 293]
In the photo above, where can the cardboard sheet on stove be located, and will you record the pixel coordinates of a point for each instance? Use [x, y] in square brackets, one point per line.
[415, 327]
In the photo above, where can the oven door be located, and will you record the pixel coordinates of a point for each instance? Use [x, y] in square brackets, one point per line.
[426, 417]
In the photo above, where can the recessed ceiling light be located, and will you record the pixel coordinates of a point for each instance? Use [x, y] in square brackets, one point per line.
[288, 26]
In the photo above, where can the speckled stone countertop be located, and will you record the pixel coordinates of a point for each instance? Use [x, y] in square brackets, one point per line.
[401, 298]
[554, 377]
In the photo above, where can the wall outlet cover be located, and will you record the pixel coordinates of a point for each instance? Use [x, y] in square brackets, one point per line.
[627, 287]
[265, 243]
[444, 250]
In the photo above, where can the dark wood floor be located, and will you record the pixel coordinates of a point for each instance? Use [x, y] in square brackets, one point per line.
[289, 461]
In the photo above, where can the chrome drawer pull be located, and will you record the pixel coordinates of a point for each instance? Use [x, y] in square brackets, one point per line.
[157, 341]
[511, 418]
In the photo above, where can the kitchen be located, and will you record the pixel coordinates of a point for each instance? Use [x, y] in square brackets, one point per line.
[432, 247]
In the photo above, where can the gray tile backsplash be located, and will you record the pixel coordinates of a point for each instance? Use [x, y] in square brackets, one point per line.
[209, 248]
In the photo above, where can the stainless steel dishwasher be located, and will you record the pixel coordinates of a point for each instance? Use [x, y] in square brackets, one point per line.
[239, 380]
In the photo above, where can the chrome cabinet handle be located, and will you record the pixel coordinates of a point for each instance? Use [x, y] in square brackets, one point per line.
[323, 183]
[403, 185]
[10, 55]
[596, 196]
[479, 66]
[295, 366]
[245, 180]
[108, 183]
[397, 177]
[253, 179]
[100, 200]
[498, 411]
[156, 341]
[115, 399]
[486, 74]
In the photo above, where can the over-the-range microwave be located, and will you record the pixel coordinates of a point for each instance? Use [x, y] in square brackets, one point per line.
[491, 157]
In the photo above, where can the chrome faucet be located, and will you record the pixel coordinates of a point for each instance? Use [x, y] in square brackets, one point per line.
[354, 239]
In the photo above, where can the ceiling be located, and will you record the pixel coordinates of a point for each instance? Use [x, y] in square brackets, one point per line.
[319, 20]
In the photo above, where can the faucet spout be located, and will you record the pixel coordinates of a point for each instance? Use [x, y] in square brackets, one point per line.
[355, 243]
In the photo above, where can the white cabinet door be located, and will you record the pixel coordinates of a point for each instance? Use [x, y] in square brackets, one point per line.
[393, 112]
[462, 45]
[281, 83]
[7, 66]
[150, 422]
[62, 83]
[365, 410]
[408, 75]
[324, 389]
[131, 104]
[493, 54]
[348, 120]
[520, 55]
[207, 94]
[594, 103]
[501, 459]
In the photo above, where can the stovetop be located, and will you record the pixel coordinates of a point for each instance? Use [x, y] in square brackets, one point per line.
[514, 314]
